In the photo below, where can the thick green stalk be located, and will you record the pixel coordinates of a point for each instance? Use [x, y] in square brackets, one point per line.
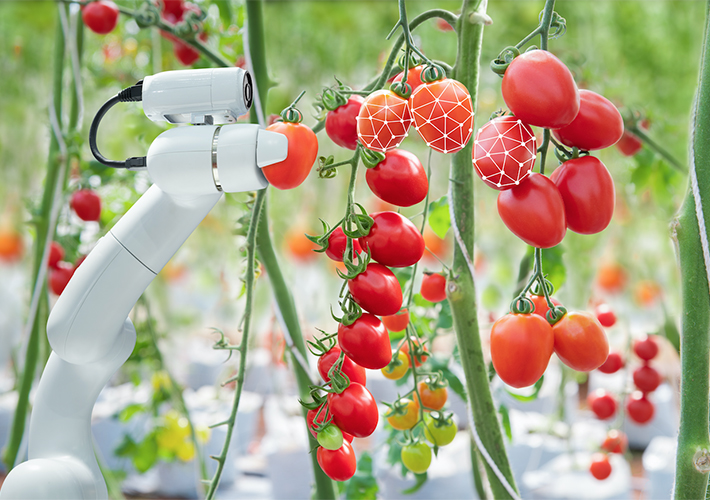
[461, 289]
[693, 458]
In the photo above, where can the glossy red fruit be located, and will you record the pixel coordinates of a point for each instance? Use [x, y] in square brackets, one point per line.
[354, 410]
[639, 408]
[541, 306]
[646, 378]
[337, 243]
[418, 356]
[86, 204]
[366, 342]
[341, 123]
[598, 124]
[605, 315]
[614, 362]
[600, 466]
[580, 341]
[302, 153]
[540, 90]
[59, 277]
[355, 372]
[588, 193]
[376, 290]
[646, 349]
[602, 404]
[56, 253]
[399, 179]
[100, 17]
[534, 211]
[393, 240]
[340, 464]
[311, 416]
[396, 322]
[504, 152]
[414, 77]
[174, 8]
[383, 121]
[615, 442]
[629, 144]
[433, 287]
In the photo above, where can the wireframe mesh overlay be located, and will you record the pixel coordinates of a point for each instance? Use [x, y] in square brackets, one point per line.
[383, 121]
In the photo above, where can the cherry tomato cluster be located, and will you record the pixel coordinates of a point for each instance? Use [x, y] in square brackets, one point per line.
[615, 442]
[60, 272]
[174, 12]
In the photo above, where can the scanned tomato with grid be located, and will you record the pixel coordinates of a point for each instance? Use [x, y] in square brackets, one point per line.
[383, 121]
[443, 115]
[504, 152]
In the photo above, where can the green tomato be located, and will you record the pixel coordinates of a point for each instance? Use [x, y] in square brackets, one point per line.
[440, 436]
[416, 457]
[330, 438]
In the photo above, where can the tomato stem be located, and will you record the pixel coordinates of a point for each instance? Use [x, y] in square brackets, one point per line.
[656, 147]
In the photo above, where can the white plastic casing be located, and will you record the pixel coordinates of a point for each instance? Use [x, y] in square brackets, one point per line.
[188, 96]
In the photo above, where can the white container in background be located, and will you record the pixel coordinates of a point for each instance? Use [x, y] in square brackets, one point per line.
[659, 464]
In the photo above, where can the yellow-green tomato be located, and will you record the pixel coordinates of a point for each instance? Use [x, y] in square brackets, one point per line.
[440, 436]
[330, 438]
[416, 457]
[397, 368]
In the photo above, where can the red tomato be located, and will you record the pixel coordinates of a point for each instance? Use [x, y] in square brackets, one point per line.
[534, 211]
[615, 442]
[337, 242]
[185, 53]
[354, 410]
[87, 204]
[432, 399]
[393, 240]
[598, 124]
[366, 342]
[587, 190]
[355, 372]
[396, 322]
[56, 253]
[504, 152]
[605, 315]
[629, 144]
[580, 342]
[376, 290]
[383, 121]
[414, 77]
[614, 362]
[414, 359]
[521, 346]
[540, 90]
[310, 417]
[340, 464]
[602, 404]
[302, 152]
[59, 277]
[639, 408]
[646, 378]
[399, 179]
[646, 349]
[433, 287]
[173, 8]
[442, 25]
[443, 114]
[341, 123]
[11, 246]
[100, 17]
[600, 467]
[541, 306]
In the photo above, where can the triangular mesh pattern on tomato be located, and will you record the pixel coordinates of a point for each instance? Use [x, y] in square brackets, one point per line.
[443, 115]
[383, 121]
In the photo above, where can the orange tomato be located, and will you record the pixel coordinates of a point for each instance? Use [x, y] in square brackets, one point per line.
[418, 358]
[300, 247]
[435, 246]
[11, 245]
[432, 399]
[611, 277]
[646, 292]
[396, 322]
[405, 420]
[580, 341]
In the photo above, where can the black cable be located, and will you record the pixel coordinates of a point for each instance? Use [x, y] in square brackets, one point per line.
[131, 94]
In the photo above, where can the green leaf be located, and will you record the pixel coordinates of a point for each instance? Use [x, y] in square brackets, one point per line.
[421, 479]
[128, 412]
[505, 420]
[445, 320]
[363, 485]
[441, 363]
[531, 397]
[439, 219]
[669, 330]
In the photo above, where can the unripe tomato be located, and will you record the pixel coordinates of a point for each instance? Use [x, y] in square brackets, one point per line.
[337, 242]
[600, 467]
[433, 287]
[355, 372]
[442, 435]
[330, 437]
[598, 124]
[534, 211]
[646, 349]
[341, 123]
[340, 464]
[605, 315]
[588, 193]
[366, 342]
[376, 290]
[383, 121]
[614, 362]
[541, 306]
[615, 442]
[602, 404]
[86, 204]
[540, 90]
[432, 399]
[11, 246]
[396, 372]
[396, 322]
[580, 342]
[100, 17]
[399, 179]
[302, 152]
[354, 410]
[406, 420]
[521, 346]
[393, 240]
[59, 277]
[639, 408]
[646, 378]
[414, 77]
[416, 358]
[311, 417]
[416, 457]
[56, 253]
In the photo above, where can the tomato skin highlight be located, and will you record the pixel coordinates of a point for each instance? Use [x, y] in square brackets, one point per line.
[399, 179]
[366, 342]
[340, 464]
[639, 408]
[646, 349]
[433, 287]
[598, 124]
[341, 123]
[355, 372]
[605, 315]
[396, 322]
[587, 190]
[302, 152]
[540, 90]
[534, 211]
[376, 290]
[646, 378]
[580, 341]
[614, 362]
[100, 17]
[393, 240]
[354, 410]
[602, 404]
[600, 467]
[337, 242]
[521, 347]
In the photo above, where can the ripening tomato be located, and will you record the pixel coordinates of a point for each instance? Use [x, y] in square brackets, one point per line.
[504, 152]
[354, 410]
[433, 287]
[436, 247]
[437, 432]
[611, 277]
[541, 306]
[302, 152]
[646, 349]
[443, 114]
[56, 253]
[376, 290]
[383, 121]
[355, 372]
[598, 124]
[646, 378]
[534, 211]
[414, 77]
[59, 277]
[416, 457]
[86, 204]
[407, 419]
[580, 342]
[311, 416]
[615, 442]
[602, 404]
[399, 179]
[337, 242]
[420, 355]
[396, 322]
[639, 408]
[600, 466]
[521, 346]
[11, 245]
[614, 362]
[395, 371]
[432, 399]
[588, 193]
[366, 342]
[605, 315]
[646, 292]
[393, 240]
[100, 17]
[340, 464]
[341, 123]
[540, 90]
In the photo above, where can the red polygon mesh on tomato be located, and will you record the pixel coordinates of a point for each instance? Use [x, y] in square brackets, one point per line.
[383, 121]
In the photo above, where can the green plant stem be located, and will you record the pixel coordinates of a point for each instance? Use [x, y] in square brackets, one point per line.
[461, 289]
[657, 148]
[695, 340]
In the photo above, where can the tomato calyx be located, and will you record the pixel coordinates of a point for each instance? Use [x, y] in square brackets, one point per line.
[322, 240]
[351, 311]
[432, 73]
[292, 114]
[506, 56]
[401, 89]
[319, 346]
[371, 158]
[147, 15]
[522, 305]
[332, 99]
[411, 62]
[436, 381]
[362, 222]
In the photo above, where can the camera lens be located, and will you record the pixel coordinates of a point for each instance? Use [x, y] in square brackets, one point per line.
[248, 90]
